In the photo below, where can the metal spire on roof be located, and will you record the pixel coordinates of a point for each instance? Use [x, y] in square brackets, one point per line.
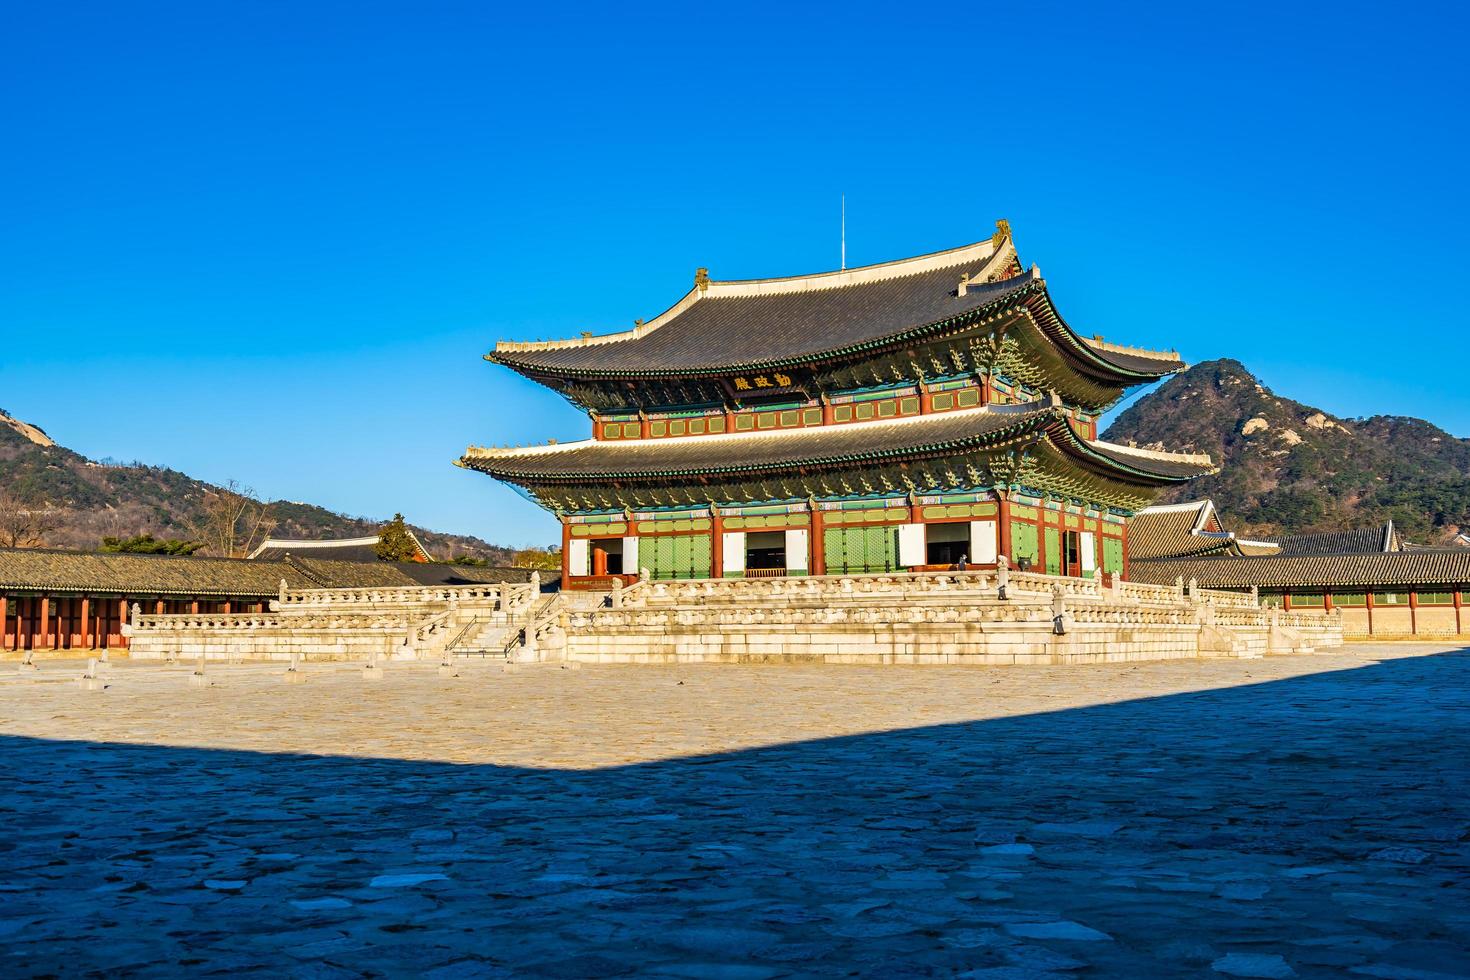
[844, 233]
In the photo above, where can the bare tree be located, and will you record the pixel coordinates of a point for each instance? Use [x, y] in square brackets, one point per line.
[24, 525]
[232, 520]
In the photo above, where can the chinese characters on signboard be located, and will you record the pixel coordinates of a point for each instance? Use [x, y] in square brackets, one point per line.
[774, 380]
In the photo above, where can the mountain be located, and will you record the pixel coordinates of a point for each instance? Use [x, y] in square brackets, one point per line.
[95, 499]
[1291, 467]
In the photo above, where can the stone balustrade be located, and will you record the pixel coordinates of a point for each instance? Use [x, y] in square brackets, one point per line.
[911, 586]
[410, 596]
[353, 629]
[1226, 599]
[1140, 592]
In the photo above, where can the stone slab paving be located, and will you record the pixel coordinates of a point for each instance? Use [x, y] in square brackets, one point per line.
[1295, 816]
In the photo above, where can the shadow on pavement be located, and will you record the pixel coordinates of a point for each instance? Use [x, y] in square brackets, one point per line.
[1320, 819]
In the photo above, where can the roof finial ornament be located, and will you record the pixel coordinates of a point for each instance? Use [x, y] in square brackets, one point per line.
[964, 286]
[1002, 232]
[701, 278]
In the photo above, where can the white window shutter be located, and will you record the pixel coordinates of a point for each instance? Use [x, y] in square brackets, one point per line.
[630, 555]
[732, 551]
[577, 556]
[796, 549]
[911, 545]
[983, 548]
[1089, 551]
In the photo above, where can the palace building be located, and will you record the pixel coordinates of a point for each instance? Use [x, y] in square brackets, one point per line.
[932, 412]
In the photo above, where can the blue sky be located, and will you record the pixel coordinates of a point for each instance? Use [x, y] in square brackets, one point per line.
[271, 241]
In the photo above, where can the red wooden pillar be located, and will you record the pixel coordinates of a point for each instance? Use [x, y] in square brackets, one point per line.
[1458, 626]
[1413, 613]
[566, 547]
[596, 426]
[826, 409]
[1003, 530]
[819, 541]
[716, 543]
[1368, 604]
[926, 398]
[729, 421]
[45, 622]
[1124, 573]
[158, 607]
[642, 424]
[4, 622]
[122, 617]
[86, 622]
[227, 607]
[194, 606]
[986, 391]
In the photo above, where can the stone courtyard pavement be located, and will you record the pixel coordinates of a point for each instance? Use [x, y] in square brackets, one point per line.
[1304, 816]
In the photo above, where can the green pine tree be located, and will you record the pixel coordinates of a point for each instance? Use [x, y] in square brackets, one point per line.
[394, 541]
[147, 544]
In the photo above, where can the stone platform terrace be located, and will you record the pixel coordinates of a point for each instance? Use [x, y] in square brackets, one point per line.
[1285, 816]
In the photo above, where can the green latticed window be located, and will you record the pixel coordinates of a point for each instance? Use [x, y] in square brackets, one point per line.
[852, 550]
[1023, 543]
[1390, 598]
[1306, 600]
[1436, 598]
[1112, 555]
[1349, 599]
[669, 556]
[1053, 551]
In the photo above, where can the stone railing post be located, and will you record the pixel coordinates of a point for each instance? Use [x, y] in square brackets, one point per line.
[535, 583]
[281, 594]
[1194, 589]
[1002, 576]
[1059, 609]
[1255, 595]
[617, 593]
[135, 615]
[294, 673]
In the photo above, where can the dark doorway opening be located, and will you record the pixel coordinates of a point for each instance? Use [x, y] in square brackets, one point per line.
[947, 544]
[607, 556]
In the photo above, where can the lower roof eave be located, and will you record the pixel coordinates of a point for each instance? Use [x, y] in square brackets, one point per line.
[844, 446]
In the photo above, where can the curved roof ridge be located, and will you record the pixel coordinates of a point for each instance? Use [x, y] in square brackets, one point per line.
[993, 252]
[317, 542]
[1153, 453]
[1097, 343]
[1177, 507]
[983, 252]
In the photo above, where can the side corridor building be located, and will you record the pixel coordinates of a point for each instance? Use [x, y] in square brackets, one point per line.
[1383, 587]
